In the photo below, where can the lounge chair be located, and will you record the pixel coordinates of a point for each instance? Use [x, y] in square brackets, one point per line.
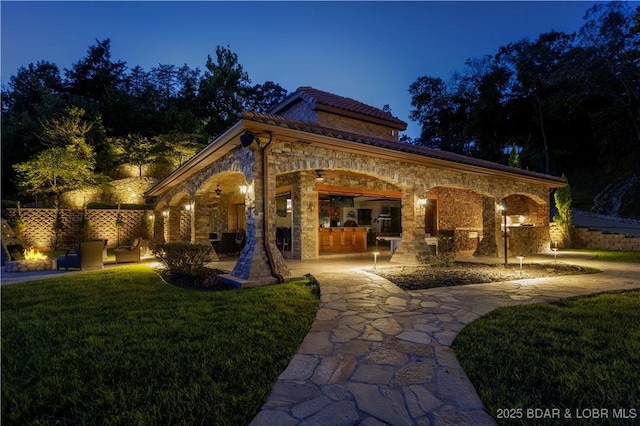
[130, 253]
[87, 255]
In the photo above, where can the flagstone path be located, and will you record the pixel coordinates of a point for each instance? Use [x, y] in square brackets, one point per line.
[378, 355]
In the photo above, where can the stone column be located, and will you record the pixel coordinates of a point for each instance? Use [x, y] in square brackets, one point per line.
[253, 264]
[173, 224]
[492, 243]
[158, 229]
[201, 223]
[305, 217]
[413, 249]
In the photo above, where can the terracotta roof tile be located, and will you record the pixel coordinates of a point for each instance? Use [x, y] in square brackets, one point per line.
[304, 126]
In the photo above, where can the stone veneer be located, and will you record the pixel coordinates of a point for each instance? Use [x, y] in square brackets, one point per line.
[125, 191]
[30, 265]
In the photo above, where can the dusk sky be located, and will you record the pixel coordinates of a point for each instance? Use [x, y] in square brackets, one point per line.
[368, 51]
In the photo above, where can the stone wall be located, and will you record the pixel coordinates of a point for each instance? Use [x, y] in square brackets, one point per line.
[351, 125]
[295, 156]
[300, 111]
[555, 236]
[527, 240]
[123, 191]
[458, 208]
[586, 238]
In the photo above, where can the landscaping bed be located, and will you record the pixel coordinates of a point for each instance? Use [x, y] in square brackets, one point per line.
[463, 273]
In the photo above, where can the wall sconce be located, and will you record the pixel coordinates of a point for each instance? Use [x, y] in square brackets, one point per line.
[150, 216]
[218, 191]
[165, 213]
[187, 207]
[244, 189]
[422, 203]
[319, 175]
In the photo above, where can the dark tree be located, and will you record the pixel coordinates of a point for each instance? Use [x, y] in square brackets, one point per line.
[223, 91]
[265, 97]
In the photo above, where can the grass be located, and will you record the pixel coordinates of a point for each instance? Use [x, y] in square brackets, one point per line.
[120, 346]
[572, 354]
[614, 256]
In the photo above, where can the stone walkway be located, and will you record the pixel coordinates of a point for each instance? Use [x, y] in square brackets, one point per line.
[377, 355]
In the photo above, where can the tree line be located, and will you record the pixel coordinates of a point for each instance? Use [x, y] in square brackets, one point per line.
[565, 103]
[562, 103]
[75, 127]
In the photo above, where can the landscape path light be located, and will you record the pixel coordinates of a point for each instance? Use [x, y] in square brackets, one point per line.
[520, 258]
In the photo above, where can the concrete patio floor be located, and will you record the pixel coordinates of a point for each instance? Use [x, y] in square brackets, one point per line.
[379, 355]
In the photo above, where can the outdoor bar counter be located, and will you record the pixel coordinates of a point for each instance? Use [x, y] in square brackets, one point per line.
[343, 240]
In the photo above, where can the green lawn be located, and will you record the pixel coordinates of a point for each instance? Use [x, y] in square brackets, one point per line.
[614, 256]
[120, 346]
[572, 354]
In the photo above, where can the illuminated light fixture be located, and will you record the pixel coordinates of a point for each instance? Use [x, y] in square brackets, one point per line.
[132, 195]
[150, 216]
[375, 260]
[289, 205]
[187, 207]
[244, 189]
[521, 219]
[422, 202]
[218, 191]
[319, 175]
[165, 213]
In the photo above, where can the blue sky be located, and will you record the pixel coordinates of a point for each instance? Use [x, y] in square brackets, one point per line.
[369, 51]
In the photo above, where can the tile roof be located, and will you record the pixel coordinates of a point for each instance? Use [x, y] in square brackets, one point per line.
[304, 126]
[321, 98]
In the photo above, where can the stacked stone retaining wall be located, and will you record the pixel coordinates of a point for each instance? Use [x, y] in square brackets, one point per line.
[598, 240]
[587, 238]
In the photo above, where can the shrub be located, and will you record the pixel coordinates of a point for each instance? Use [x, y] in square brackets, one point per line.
[185, 265]
[184, 257]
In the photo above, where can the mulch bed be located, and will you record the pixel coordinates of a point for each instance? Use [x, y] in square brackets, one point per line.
[461, 273]
[206, 279]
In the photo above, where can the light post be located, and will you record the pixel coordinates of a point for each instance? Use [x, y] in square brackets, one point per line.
[503, 208]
